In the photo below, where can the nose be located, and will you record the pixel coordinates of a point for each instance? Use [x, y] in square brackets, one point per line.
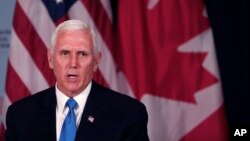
[73, 61]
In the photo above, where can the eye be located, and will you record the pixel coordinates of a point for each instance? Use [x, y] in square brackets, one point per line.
[64, 52]
[82, 53]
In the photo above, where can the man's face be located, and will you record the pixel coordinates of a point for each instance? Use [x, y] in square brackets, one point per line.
[73, 61]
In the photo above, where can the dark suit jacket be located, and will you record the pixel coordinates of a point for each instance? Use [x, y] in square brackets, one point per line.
[117, 117]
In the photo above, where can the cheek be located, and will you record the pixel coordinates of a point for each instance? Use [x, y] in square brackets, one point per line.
[59, 67]
[88, 67]
[87, 62]
[60, 62]
[58, 71]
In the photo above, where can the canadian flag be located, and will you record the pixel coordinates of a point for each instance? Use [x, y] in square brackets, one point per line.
[167, 55]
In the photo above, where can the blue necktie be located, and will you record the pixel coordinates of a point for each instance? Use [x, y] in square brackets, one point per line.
[68, 131]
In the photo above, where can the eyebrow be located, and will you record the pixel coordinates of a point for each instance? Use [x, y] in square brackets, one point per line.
[64, 50]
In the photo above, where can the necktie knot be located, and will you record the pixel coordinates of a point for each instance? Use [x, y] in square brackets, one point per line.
[71, 103]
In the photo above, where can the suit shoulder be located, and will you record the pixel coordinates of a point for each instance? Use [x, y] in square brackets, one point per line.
[126, 109]
[120, 100]
[33, 100]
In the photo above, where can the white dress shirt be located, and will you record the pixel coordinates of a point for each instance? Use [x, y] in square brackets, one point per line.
[62, 110]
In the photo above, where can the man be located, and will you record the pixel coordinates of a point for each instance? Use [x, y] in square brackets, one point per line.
[76, 108]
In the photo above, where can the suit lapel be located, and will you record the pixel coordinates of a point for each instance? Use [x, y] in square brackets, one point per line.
[86, 129]
[48, 117]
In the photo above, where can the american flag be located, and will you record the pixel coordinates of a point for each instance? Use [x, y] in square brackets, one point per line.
[158, 51]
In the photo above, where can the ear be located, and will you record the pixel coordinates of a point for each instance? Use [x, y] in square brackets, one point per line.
[97, 60]
[50, 59]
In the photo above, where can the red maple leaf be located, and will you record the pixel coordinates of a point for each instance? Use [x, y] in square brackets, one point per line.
[148, 42]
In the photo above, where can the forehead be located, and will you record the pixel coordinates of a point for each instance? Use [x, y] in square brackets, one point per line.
[79, 36]
[84, 33]
[74, 39]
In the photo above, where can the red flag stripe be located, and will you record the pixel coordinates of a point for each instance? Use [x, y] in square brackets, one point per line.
[107, 7]
[38, 53]
[62, 19]
[24, 66]
[102, 22]
[42, 23]
[10, 85]
[6, 104]
[2, 132]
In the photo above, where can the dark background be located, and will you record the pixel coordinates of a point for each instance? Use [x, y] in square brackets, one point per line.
[230, 24]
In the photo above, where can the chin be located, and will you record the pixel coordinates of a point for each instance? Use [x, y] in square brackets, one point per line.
[74, 90]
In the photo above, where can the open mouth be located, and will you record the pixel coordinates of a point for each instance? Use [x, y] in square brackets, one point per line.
[72, 76]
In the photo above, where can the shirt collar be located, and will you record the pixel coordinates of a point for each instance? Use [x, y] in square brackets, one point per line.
[80, 98]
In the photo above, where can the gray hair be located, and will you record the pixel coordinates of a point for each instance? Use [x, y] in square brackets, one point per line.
[73, 25]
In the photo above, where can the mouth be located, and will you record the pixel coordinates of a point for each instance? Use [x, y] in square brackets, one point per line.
[72, 76]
